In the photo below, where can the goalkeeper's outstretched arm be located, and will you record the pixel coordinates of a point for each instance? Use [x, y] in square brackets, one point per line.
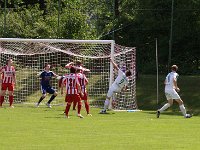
[114, 64]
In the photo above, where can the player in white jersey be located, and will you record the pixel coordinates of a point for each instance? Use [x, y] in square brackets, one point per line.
[120, 82]
[171, 89]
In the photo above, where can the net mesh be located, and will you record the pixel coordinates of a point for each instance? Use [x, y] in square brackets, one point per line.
[30, 56]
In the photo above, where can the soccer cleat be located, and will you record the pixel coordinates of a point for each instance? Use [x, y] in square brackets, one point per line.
[67, 117]
[103, 111]
[80, 116]
[188, 116]
[37, 105]
[48, 105]
[12, 106]
[89, 114]
[158, 114]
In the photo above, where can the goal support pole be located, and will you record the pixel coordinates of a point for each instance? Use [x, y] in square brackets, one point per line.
[111, 70]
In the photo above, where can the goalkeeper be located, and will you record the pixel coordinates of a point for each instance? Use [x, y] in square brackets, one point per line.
[119, 83]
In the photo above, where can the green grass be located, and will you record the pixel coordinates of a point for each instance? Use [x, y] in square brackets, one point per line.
[146, 92]
[29, 128]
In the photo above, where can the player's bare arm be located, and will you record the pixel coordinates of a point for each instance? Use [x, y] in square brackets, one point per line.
[69, 65]
[62, 85]
[114, 64]
[175, 85]
[14, 78]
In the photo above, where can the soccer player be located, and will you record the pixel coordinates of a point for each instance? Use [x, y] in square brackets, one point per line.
[171, 89]
[83, 82]
[78, 64]
[82, 70]
[46, 76]
[120, 82]
[73, 91]
[7, 81]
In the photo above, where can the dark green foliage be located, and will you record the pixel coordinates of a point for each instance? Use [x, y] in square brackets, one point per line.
[134, 23]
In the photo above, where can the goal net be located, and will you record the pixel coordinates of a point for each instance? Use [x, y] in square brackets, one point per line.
[30, 55]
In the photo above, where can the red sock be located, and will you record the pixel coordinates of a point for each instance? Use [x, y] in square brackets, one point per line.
[11, 100]
[67, 109]
[74, 105]
[2, 100]
[79, 107]
[87, 107]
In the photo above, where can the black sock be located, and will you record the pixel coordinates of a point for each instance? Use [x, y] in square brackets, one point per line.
[51, 99]
[41, 98]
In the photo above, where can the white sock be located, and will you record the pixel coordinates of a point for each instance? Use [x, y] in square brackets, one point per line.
[183, 110]
[167, 105]
[106, 104]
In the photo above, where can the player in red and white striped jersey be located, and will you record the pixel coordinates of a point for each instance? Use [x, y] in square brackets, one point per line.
[7, 81]
[73, 90]
[83, 82]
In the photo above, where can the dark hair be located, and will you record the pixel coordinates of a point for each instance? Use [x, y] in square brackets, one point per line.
[174, 67]
[72, 70]
[8, 60]
[46, 64]
[128, 73]
[78, 62]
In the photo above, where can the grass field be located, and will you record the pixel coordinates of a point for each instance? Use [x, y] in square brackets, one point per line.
[146, 92]
[28, 128]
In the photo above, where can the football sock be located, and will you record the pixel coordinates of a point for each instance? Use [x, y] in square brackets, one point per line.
[11, 100]
[67, 109]
[106, 104]
[167, 105]
[41, 98]
[74, 105]
[87, 107]
[183, 110]
[2, 100]
[51, 99]
[79, 108]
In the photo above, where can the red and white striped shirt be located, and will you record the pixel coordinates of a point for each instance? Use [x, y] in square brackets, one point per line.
[83, 81]
[7, 74]
[72, 82]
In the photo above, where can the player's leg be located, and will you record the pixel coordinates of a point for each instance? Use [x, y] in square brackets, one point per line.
[167, 105]
[107, 101]
[74, 105]
[69, 101]
[43, 89]
[51, 91]
[79, 102]
[10, 94]
[87, 107]
[182, 108]
[3, 92]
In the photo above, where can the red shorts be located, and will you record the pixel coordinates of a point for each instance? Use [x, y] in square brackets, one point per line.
[84, 97]
[9, 86]
[72, 98]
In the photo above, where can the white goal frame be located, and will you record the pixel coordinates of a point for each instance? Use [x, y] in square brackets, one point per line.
[111, 42]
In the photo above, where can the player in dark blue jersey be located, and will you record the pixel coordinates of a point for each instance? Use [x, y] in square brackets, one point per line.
[46, 76]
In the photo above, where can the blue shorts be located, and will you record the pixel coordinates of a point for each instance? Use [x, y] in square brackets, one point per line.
[47, 89]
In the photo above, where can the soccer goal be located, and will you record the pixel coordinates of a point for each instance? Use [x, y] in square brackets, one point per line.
[30, 55]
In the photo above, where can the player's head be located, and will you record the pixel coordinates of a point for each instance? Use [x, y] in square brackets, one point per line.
[47, 66]
[174, 68]
[72, 70]
[78, 63]
[128, 73]
[78, 69]
[9, 61]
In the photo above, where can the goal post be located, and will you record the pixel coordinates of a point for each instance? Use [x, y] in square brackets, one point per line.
[30, 55]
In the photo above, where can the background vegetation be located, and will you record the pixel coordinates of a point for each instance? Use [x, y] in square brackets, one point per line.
[129, 22]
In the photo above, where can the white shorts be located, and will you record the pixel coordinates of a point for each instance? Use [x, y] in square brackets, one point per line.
[171, 94]
[112, 90]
